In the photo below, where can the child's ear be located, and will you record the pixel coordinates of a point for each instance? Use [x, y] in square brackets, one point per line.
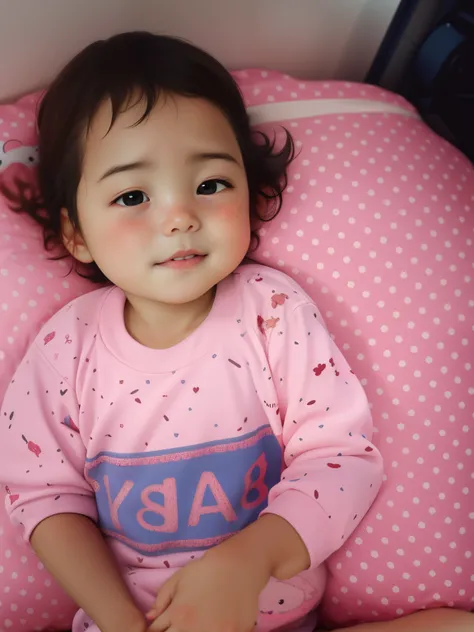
[73, 240]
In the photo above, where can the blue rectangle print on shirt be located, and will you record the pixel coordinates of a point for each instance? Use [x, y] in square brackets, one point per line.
[186, 499]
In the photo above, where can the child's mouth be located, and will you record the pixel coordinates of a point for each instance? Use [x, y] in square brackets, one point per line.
[183, 263]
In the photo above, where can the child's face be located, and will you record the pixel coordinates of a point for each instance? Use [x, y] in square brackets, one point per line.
[172, 184]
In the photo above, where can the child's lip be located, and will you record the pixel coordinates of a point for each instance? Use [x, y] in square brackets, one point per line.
[183, 253]
[181, 264]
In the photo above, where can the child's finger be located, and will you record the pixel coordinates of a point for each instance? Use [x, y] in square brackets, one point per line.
[161, 624]
[152, 614]
[163, 599]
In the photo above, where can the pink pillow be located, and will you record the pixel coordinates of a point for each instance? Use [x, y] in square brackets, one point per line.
[31, 289]
[377, 226]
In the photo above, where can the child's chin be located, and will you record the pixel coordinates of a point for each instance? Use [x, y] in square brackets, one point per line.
[180, 297]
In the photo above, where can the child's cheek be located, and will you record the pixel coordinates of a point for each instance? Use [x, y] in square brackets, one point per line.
[237, 208]
[128, 228]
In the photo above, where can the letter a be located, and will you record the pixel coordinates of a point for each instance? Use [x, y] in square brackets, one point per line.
[222, 506]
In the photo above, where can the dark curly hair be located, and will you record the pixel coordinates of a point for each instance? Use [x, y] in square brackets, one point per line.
[117, 69]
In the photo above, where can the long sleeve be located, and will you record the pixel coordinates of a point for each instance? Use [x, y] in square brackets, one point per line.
[41, 451]
[332, 470]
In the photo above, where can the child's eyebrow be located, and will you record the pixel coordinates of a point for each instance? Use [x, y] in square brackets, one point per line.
[131, 166]
[213, 155]
[146, 164]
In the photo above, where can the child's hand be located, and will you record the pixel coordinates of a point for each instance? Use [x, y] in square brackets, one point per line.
[140, 625]
[216, 593]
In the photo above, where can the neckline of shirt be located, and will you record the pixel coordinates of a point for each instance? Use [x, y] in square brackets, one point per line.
[205, 339]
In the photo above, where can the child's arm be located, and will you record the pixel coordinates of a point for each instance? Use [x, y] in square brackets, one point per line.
[42, 457]
[74, 551]
[436, 620]
[270, 545]
[332, 470]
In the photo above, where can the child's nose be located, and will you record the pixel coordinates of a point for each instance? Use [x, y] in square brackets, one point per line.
[180, 219]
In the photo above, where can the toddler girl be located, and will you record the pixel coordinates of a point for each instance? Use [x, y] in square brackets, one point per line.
[185, 446]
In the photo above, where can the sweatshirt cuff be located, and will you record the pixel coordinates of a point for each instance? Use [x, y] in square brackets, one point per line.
[321, 536]
[35, 511]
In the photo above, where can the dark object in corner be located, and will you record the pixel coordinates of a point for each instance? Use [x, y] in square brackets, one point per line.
[438, 72]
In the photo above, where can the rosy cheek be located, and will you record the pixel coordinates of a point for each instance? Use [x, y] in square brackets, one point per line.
[237, 210]
[125, 228]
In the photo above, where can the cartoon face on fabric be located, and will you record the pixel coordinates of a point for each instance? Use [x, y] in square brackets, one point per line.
[285, 604]
[14, 152]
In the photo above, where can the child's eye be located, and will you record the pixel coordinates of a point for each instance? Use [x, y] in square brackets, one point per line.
[132, 198]
[210, 187]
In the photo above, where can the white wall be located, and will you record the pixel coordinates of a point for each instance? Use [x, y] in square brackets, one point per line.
[308, 38]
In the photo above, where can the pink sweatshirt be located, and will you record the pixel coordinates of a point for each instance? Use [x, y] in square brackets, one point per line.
[171, 451]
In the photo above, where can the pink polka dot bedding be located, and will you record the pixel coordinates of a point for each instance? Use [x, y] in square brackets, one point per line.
[377, 225]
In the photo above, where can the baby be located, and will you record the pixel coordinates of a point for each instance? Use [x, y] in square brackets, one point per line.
[185, 446]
